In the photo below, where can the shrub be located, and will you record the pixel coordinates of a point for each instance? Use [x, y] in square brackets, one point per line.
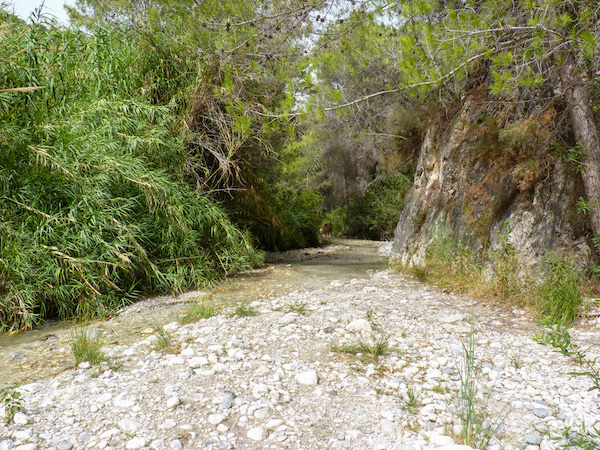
[560, 291]
[92, 207]
[375, 215]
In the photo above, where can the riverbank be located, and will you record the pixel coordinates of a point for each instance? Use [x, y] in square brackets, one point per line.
[285, 378]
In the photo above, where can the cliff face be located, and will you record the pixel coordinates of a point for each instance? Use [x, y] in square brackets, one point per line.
[482, 176]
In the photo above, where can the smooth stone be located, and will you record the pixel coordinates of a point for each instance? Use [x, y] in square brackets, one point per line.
[261, 413]
[440, 440]
[65, 446]
[197, 361]
[454, 447]
[27, 447]
[533, 438]
[128, 425]
[21, 418]
[360, 325]
[228, 398]
[122, 402]
[216, 419]
[541, 412]
[6, 444]
[273, 424]
[85, 365]
[308, 378]
[136, 443]
[288, 318]
[451, 318]
[257, 434]
[173, 402]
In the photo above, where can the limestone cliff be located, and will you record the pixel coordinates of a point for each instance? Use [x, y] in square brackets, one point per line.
[483, 174]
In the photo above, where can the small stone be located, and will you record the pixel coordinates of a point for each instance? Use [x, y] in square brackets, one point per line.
[288, 318]
[122, 401]
[228, 398]
[198, 361]
[388, 427]
[308, 378]
[360, 325]
[454, 447]
[452, 318]
[128, 425]
[541, 412]
[273, 424]
[27, 447]
[440, 440]
[6, 444]
[20, 419]
[175, 444]
[216, 419]
[261, 413]
[65, 446]
[257, 434]
[85, 365]
[136, 443]
[533, 438]
[173, 402]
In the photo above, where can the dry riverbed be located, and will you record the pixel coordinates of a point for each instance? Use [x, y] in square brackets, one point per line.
[281, 379]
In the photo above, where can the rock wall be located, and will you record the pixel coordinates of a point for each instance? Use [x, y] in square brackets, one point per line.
[482, 175]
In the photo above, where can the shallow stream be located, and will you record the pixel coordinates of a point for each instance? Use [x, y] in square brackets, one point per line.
[40, 353]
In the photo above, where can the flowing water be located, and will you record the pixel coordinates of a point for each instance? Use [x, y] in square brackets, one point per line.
[40, 353]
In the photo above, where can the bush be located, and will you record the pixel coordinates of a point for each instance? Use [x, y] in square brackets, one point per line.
[560, 291]
[89, 215]
[375, 215]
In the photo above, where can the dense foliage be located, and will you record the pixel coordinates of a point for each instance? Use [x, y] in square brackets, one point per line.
[92, 202]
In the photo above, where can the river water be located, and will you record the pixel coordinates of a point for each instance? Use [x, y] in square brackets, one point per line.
[44, 352]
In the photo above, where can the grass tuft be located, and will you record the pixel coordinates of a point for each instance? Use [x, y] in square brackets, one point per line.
[199, 311]
[478, 429]
[87, 346]
[164, 341]
[298, 307]
[244, 310]
[370, 351]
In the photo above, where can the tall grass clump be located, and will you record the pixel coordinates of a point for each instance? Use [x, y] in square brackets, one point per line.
[561, 297]
[451, 263]
[199, 311]
[93, 209]
[86, 345]
[555, 294]
[477, 430]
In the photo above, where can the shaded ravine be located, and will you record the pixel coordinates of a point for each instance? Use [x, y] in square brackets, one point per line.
[42, 353]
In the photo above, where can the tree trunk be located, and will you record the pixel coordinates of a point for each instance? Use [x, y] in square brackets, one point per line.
[586, 134]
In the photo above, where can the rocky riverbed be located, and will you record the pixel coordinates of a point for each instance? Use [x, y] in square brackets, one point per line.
[289, 377]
